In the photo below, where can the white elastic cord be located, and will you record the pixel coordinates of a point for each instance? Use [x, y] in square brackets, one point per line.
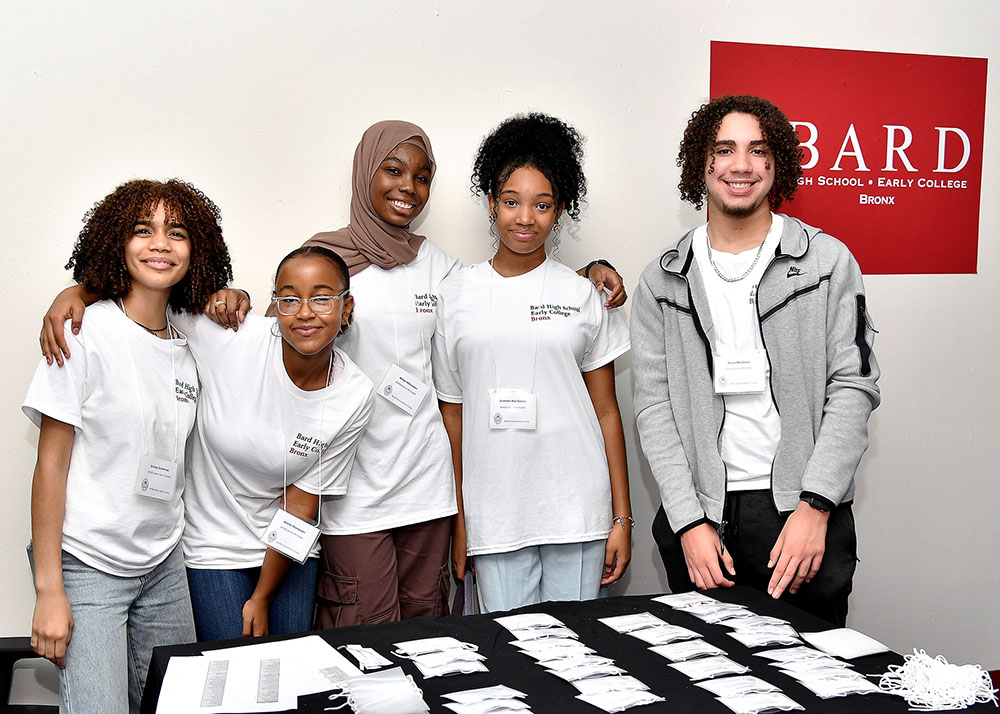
[931, 684]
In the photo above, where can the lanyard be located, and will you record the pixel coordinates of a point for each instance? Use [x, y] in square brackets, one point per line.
[321, 446]
[534, 347]
[424, 363]
[138, 388]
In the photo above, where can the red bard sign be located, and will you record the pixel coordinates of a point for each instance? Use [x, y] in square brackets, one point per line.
[892, 147]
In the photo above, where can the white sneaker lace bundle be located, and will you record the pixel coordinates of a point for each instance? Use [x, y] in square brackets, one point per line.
[931, 684]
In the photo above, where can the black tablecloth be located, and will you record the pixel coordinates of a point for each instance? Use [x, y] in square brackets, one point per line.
[546, 692]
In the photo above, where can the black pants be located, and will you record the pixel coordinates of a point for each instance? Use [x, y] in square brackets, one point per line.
[753, 526]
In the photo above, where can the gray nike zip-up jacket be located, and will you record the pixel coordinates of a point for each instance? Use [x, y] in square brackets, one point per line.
[818, 337]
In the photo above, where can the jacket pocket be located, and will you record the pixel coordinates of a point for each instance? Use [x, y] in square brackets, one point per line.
[862, 329]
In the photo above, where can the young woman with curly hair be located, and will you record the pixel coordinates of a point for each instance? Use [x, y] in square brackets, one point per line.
[106, 513]
[524, 366]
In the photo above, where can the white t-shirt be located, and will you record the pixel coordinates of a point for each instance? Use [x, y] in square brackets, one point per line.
[256, 432]
[127, 394]
[538, 332]
[752, 429]
[403, 472]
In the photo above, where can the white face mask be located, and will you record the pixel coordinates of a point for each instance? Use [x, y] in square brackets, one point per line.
[387, 692]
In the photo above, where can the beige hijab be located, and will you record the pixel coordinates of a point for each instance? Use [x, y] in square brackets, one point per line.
[367, 239]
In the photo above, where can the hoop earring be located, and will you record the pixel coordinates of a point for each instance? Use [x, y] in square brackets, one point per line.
[275, 330]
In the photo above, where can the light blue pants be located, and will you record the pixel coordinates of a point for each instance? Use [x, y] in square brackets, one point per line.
[116, 624]
[538, 573]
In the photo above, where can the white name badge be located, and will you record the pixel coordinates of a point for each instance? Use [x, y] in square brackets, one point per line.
[402, 389]
[512, 409]
[291, 536]
[156, 478]
[741, 372]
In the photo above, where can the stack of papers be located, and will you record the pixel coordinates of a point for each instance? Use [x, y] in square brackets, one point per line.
[253, 678]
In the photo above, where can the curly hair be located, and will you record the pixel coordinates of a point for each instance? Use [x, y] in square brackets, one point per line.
[98, 259]
[696, 146]
[538, 140]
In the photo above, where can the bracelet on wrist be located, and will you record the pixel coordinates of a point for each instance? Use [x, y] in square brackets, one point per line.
[621, 521]
[599, 261]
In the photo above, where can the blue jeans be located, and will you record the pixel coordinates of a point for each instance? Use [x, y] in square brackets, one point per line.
[116, 624]
[218, 597]
[539, 573]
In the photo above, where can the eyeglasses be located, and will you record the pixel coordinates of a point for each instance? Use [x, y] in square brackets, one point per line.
[319, 304]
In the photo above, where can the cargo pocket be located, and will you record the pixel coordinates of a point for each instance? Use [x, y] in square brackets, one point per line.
[337, 602]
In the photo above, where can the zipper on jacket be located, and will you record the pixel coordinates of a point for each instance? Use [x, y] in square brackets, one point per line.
[763, 342]
[721, 528]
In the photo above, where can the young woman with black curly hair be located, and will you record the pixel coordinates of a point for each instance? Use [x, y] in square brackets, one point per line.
[524, 369]
[106, 513]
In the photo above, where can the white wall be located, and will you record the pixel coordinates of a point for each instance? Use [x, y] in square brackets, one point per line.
[261, 104]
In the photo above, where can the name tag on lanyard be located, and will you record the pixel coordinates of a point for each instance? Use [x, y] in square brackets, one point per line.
[291, 536]
[156, 478]
[402, 389]
[740, 372]
[513, 409]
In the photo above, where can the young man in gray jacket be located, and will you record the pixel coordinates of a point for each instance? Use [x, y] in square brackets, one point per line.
[754, 374]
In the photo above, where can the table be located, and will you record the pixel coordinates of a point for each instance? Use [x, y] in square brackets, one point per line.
[549, 694]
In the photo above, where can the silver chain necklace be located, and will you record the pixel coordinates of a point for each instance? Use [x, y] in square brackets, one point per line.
[708, 244]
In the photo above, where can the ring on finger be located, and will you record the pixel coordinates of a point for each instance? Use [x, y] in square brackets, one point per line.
[220, 302]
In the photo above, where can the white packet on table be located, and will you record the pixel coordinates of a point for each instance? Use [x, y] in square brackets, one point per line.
[481, 694]
[735, 686]
[682, 599]
[615, 683]
[760, 702]
[682, 651]
[844, 642]
[791, 654]
[630, 623]
[430, 644]
[454, 667]
[664, 634]
[709, 667]
[619, 701]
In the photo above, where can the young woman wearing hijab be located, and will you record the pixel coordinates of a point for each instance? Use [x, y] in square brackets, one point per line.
[386, 543]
